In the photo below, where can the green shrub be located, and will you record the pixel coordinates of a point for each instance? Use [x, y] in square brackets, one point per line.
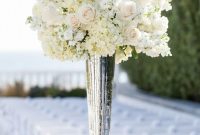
[53, 91]
[78, 92]
[37, 92]
[177, 76]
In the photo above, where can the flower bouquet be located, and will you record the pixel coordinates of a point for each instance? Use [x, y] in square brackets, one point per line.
[102, 32]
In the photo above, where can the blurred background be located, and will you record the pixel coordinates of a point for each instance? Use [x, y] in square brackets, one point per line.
[41, 96]
[22, 63]
[176, 76]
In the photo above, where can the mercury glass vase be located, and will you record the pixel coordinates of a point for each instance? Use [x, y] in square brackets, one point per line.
[100, 74]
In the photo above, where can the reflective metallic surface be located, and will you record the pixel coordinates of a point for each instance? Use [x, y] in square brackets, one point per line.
[100, 72]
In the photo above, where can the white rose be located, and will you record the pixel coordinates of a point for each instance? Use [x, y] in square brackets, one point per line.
[86, 14]
[127, 9]
[51, 15]
[132, 34]
[73, 21]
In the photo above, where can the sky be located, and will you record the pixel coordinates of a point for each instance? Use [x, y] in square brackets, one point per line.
[15, 35]
[19, 44]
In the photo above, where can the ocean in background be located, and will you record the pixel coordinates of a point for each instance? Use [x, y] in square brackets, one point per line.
[17, 61]
[35, 69]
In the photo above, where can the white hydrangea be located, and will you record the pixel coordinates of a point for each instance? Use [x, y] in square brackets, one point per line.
[77, 29]
[51, 15]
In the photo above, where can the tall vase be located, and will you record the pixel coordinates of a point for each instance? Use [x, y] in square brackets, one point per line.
[100, 73]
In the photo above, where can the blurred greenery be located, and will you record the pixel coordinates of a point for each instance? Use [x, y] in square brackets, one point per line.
[17, 90]
[54, 91]
[177, 76]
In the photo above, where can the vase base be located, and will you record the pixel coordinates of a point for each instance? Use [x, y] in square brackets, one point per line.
[100, 73]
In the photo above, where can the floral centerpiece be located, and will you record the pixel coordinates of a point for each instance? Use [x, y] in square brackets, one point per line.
[101, 29]
[77, 29]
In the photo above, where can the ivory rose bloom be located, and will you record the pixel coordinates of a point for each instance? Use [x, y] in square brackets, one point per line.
[73, 21]
[127, 9]
[86, 14]
[132, 34]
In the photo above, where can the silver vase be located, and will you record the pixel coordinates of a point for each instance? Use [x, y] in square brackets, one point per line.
[100, 73]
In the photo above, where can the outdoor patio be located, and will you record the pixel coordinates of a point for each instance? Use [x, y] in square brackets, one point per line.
[68, 116]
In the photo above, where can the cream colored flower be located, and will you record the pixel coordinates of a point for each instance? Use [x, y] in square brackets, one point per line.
[73, 21]
[127, 9]
[160, 25]
[132, 34]
[74, 29]
[79, 36]
[37, 10]
[163, 4]
[51, 15]
[68, 35]
[86, 14]
[144, 2]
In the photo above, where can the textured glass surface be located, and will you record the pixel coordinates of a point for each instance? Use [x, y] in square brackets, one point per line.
[100, 72]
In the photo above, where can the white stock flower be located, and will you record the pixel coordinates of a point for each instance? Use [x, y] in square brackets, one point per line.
[167, 6]
[162, 4]
[86, 14]
[145, 24]
[79, 36]
[37, 10]
[144, 2]
[123, 55]
[68, 35]
[160, 24]
[162, 50]
[127, 9]
[72, 43]
[105, 4]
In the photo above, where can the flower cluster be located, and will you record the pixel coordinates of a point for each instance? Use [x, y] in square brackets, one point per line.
[79, 29]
